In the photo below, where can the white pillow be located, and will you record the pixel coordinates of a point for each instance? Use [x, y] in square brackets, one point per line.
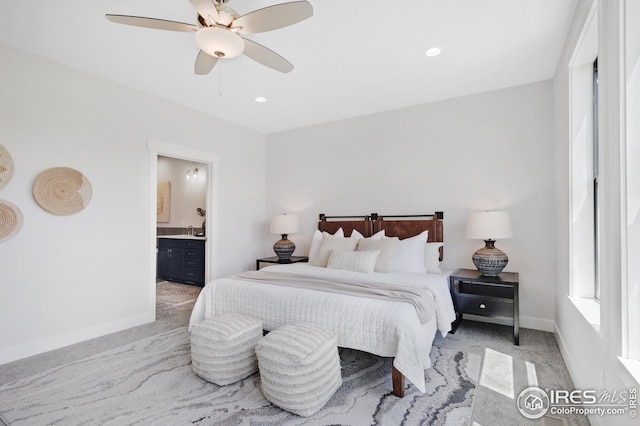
[357, 235]
[432, 257]
[409, 254]
[357, 261]
[329, 243]
[385, 245]
[315, 243]
[378, 235]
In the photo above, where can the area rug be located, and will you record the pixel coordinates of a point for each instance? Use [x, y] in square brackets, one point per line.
[150, 382]
[174, 294]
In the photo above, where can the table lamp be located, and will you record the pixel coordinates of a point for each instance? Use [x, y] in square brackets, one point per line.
[489, 226]
[284, 224]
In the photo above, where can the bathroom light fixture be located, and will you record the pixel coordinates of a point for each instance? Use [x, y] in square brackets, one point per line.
[192, 174]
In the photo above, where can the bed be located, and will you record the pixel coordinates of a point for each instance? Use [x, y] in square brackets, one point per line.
[394, 312]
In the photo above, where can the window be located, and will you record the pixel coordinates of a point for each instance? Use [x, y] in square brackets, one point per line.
[584, 237]
[596, 175]
[583, 178]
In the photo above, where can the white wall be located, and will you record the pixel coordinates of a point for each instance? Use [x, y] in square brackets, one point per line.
[483, 152]
[69, 278]
[186, 194]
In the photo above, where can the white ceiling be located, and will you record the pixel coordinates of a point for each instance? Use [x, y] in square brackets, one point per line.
[351, 58]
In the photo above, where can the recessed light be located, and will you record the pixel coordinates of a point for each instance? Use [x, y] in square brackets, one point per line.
[434, 51]
[261, 99]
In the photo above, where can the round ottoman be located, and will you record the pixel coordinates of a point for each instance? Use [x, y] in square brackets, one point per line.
[223, 348]
[299, 367]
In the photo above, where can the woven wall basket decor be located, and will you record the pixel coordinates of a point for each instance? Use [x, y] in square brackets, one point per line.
[6, 166]
[62, 190]
[10, 220]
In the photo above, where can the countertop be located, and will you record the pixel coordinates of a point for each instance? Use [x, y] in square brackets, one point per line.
[183, 237]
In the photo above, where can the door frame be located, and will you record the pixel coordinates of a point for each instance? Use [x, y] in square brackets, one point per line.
[212, 160]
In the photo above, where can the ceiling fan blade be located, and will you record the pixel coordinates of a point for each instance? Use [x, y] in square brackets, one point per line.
[266, 56]
[273, 17]
[206, 8]
[205, 63]
[156, 24]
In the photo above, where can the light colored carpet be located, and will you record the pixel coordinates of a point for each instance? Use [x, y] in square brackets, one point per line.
[150, 382]
[148, 377]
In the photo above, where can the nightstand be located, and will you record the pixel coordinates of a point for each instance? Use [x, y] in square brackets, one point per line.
[274, 259]
[494, 297]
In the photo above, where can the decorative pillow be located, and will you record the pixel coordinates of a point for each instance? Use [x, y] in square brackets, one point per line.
[315, 243]
[332, 242]
[385, 245]
[409, 254]
[357, 235]
[357, 261]
[378, 235]
[432, 257]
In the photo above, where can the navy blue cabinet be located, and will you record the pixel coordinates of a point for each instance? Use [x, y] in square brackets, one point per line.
[181, 260]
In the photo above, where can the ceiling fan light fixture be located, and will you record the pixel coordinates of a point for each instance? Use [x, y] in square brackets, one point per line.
[219, 42]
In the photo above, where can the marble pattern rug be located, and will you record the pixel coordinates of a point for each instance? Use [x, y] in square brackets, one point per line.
[150, 382]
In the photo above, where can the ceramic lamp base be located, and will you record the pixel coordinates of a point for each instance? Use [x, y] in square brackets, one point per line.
[284, 248]
[490, 260]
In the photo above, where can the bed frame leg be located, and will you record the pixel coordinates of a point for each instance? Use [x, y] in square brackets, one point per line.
[398, 382]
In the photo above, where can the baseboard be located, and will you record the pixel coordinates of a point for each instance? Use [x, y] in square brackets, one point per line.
[46, 344]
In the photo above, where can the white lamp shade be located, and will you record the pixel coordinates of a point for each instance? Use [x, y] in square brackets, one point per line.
[284, 224]
[494, 225]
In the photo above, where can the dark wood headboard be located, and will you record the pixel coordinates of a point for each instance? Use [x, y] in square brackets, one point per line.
[401, 226]
[330, 224]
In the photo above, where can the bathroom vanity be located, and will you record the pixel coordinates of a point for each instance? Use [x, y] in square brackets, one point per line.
[181, 258]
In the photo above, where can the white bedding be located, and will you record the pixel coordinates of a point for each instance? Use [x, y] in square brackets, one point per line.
[384, 328]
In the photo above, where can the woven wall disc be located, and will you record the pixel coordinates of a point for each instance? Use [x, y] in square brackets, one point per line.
[62, 190]
[6, 166]
[10, 220]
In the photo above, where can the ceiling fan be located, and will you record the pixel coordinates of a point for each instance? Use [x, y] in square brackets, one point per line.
[219, 30]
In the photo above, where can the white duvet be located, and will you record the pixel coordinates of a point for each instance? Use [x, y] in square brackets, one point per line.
[380, 327]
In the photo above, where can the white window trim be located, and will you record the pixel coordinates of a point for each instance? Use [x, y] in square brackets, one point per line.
[581, 173]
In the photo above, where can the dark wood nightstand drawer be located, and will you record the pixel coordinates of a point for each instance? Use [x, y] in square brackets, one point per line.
[482, 305]
[486, 290]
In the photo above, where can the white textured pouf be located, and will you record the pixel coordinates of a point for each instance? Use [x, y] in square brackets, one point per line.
[299, 367]
[223, 348]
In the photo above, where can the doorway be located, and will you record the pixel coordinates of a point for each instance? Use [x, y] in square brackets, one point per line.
[168, 160]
